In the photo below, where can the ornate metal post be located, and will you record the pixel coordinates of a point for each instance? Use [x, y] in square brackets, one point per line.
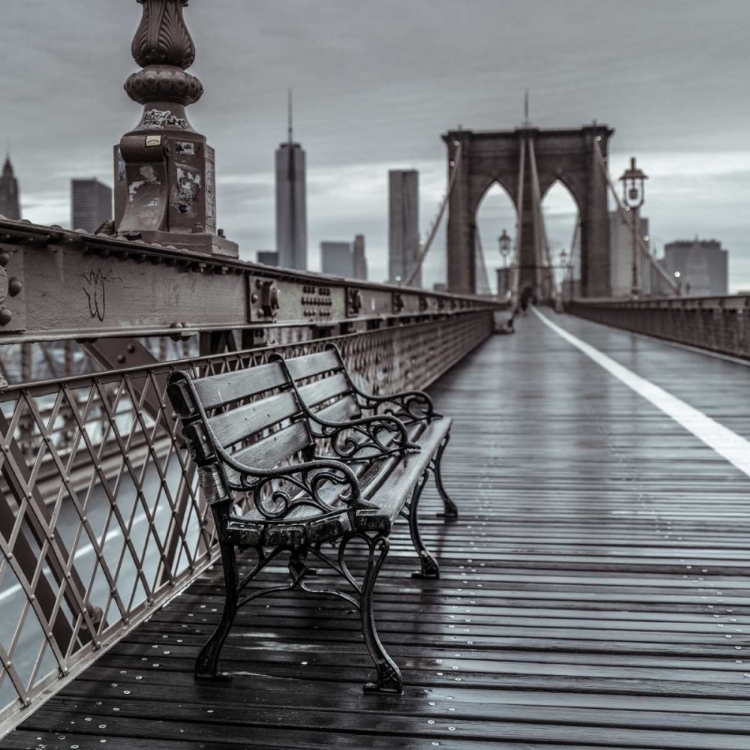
[165, 185]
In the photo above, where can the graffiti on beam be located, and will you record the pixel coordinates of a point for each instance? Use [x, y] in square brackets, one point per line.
[157, 118]
[95, 291]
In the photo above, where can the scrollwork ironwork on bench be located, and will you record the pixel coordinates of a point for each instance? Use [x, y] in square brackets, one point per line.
[309, 478]
[380, 436]
[409, 407]
[372, 445]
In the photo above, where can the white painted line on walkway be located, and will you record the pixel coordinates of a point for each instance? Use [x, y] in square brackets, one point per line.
[727, 444]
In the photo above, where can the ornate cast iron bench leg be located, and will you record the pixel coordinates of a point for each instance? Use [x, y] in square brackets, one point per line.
[450, 510]
[430, 567]
[389, 675]
[207, 663]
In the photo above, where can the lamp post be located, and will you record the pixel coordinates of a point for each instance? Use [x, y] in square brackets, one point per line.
[633, 193]
[504, 242]
[503, 274]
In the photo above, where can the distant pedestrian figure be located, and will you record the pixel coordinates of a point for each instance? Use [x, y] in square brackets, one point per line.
[527, 297]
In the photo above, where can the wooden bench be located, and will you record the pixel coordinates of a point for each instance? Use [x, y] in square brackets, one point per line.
[314, 461]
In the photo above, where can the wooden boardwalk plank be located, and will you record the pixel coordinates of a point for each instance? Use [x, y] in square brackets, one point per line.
[593, 595]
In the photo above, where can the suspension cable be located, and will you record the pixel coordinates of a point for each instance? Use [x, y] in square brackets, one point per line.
[623, 214]
[436, 225]
[482, 277]
[516, 266]
[567, 281]
[540, 228]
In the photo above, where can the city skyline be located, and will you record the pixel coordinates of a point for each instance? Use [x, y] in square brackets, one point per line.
[375, 118]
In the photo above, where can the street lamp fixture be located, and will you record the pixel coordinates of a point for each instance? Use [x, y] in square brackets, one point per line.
[633, 194]
[505, 242]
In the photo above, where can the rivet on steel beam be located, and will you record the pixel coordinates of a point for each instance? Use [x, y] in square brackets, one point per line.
[5, 316]
[15, 287]
[4, 259]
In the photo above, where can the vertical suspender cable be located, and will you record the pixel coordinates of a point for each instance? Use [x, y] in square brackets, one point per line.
[542, 246]
[516, 267]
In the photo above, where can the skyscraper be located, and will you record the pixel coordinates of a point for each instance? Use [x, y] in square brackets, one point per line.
[10, 195]
[337, 259]
[359, 258]
[291, 202]
[700, 266]
[403, 226]
[91, 204]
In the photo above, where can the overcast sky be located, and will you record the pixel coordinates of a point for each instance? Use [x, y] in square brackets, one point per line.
[376, 82]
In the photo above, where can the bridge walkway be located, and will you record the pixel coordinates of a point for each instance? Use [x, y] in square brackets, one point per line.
[595, 592]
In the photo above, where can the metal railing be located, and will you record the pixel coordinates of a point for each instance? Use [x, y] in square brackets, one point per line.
[101, 520]
[719, 324]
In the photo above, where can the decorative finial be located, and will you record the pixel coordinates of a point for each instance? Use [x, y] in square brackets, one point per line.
[163, 47]
[165, 182]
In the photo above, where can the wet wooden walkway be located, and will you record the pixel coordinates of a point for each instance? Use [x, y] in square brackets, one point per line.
[595, 592]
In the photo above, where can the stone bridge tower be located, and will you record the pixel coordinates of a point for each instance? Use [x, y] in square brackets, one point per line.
[505, 157]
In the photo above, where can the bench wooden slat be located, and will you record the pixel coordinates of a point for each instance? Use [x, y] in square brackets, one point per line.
[313, 364]
[273, 450]
[217, 390]
[343, 410]
[323, 390]
[245, 421]
[398, 483]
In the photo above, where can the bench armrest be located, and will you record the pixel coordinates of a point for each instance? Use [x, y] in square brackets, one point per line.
[409, 406]
[365, 438]
[308, 482]
[379, 435]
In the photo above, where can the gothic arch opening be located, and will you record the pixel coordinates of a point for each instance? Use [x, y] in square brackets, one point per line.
[495, 213]
[561, 218]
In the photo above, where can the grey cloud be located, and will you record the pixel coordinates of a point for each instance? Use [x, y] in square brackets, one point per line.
[376, 82]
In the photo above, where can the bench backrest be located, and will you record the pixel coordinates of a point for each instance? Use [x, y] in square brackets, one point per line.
[258, 424]
[324, 386]
[256, 417]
